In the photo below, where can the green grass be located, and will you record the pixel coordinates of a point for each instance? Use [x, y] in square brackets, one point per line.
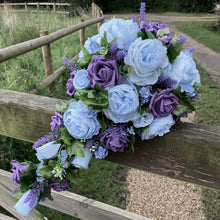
[201, 32]
[179, 14]
[19, 27]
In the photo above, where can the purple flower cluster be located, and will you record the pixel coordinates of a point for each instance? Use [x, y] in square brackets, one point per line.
[17, 170]
[43, 140]
[69, 85]
[55, 185]
[57, 122]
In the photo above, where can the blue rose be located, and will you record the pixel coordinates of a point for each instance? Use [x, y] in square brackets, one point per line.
[125, 31]
[92, 45]
[159, 126]
[147, 57]
[123, 103]
[143, 120]
[80, 80]
[81, 121]
[183, 70]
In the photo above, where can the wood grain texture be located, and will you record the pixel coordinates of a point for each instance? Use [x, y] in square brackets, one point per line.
[21, 48]
[76, 205]
[189, 152]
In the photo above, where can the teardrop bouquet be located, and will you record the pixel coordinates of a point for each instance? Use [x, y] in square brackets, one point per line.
[132, 79]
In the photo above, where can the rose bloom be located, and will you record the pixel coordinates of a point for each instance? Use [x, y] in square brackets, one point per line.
[104, 72]
[163, 103]
[114, 139]
[17, 170]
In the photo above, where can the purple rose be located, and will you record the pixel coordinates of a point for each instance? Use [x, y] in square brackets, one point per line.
[104, 72]
[114, 139]
[17, 170]
[163, 103]
[69, 85]
[57, 121]
[55, 185]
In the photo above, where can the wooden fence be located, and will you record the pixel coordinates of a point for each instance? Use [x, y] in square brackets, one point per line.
[44, 41]
[37, 4]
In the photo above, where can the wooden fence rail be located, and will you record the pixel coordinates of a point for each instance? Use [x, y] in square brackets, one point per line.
[66, 202]
[21, 48]
[190, 152]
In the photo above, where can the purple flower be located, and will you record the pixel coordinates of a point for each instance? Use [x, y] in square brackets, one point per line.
[70, 65]
[164, 82]
[104, 72]
[142, 12]
[55, 185]
[69, 85]
[114, 139]
[134, 19]
[43, 140]
[182, 39]
[17, 170]
[163, 103]
[57, 121]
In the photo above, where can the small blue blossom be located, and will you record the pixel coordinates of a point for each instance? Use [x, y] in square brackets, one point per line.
[145, 94]
[189, 90]
[101, 153]
[39, 176]
[64, 154]
[131, 130]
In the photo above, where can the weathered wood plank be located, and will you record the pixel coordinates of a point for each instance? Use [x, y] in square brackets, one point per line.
[21, 48]
[8, 202]
[78, 206]
[5, 217]
[190, 152]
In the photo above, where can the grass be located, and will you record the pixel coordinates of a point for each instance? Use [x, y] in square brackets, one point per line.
[179, 14]
[201, 32]
[26, 71]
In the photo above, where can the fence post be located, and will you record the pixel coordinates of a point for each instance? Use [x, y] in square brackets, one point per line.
[38, 6]
[82, 34]
[25, 6]
[99, 14]
[93, 10]
[54, 7]
[47, 59]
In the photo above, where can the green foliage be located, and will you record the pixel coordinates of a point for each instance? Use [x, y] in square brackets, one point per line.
[201, 32]
[174, 50]
[96, 97]
[76, 148]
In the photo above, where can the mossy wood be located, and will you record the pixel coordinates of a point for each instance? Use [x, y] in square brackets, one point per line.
[67, 202]
[190, 152]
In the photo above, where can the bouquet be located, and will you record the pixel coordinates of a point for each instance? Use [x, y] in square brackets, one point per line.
[131, 79]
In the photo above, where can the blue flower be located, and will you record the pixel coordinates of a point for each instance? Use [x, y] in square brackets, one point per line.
[101, 153]
[80, 121]
[145, 94]
[80, 80]
[92, 45]
[131, 130]
[159, 126]
[143, 120]
[125, 31]
[147, 57]
[123, 103]
[183, 70]
[64, 154]
[189, 90]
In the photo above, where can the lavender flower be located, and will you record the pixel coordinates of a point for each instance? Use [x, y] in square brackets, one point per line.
[57, 122]
[34, 194]
[70, 65]
[183, 40]
[43, 140]
[134, 18]
[142, 12]
[55, 185]
[17, 170]
[191, 49]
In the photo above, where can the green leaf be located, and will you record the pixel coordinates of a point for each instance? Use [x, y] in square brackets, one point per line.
[46, 171]
[103, 41]
[96, 97]
[63, 107]
[131, 143]
[182, 109]
[71, 174]
[65, 136]
[17, 195]
[149, 35]
[103, 121]
[86, 59]
[76, 148]
[142, 35]
[46, 193]
[115, 39]
[174, 50]
[28, 178]
[126, 69]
